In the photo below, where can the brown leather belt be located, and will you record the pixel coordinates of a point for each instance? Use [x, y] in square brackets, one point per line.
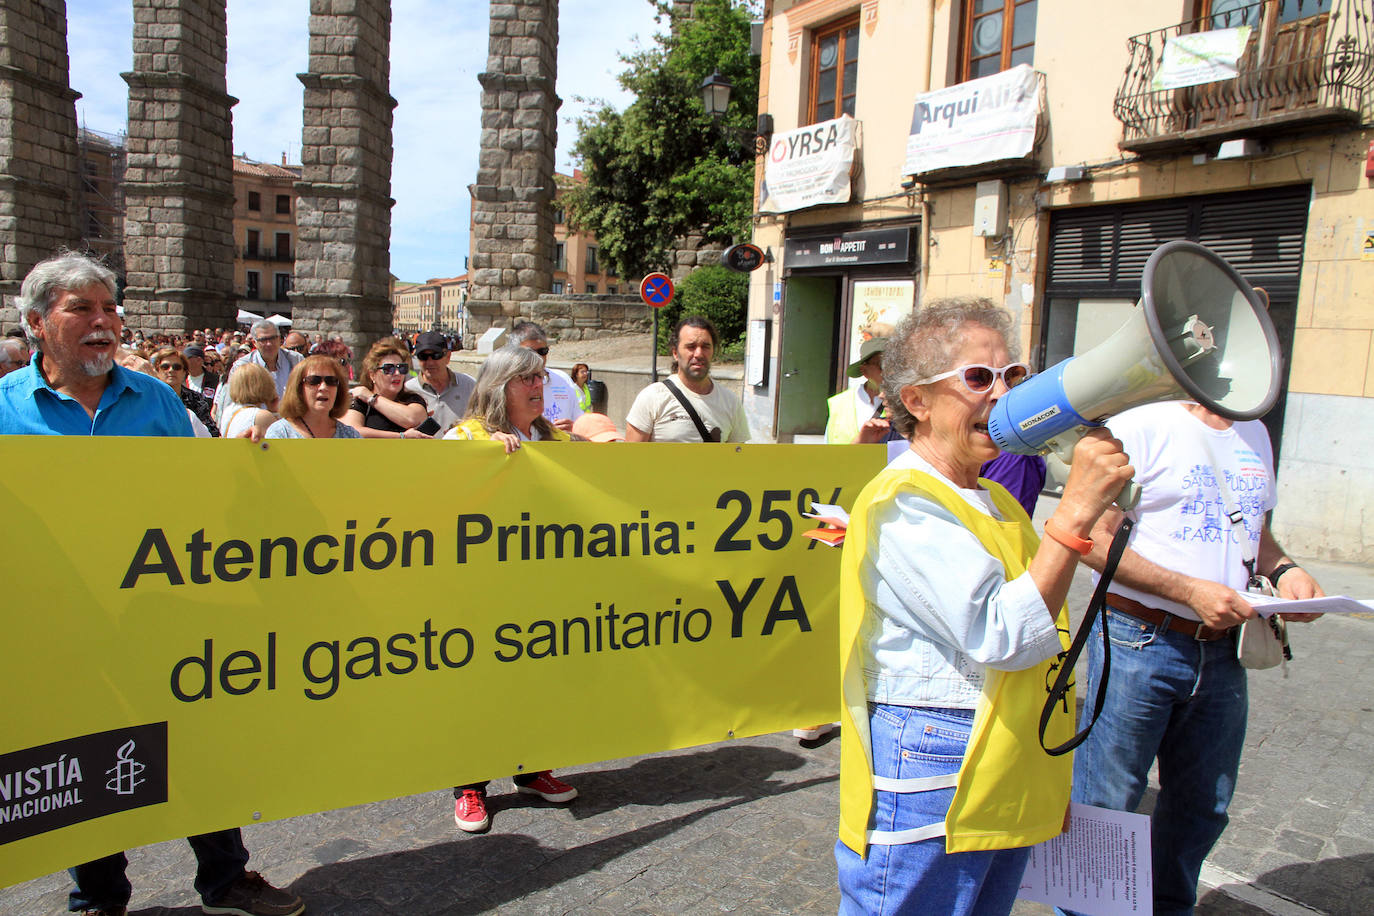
[1195, 629]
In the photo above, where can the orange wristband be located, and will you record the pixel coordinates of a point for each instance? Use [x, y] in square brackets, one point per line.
[1075, 543]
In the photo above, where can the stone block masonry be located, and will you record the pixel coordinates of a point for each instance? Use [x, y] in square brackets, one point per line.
[588, 316]
[39, 208]
[343, 261]
[178, 181]
[511, 259]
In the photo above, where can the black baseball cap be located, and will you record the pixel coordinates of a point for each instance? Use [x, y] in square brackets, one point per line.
[431, 340]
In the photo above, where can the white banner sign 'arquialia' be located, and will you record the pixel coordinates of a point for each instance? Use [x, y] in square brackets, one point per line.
[982, 120]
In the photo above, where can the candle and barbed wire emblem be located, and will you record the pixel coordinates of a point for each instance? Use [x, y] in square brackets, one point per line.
[124, 775]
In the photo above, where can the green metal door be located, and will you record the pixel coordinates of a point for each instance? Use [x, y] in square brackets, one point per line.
[807, 368]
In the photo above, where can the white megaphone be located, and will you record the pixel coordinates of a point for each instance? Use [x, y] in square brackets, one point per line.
[1199, 332]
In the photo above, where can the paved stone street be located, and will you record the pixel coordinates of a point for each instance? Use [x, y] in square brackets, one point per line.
[747, 826]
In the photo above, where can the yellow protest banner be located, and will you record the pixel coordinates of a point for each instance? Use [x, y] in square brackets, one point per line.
[205, 634]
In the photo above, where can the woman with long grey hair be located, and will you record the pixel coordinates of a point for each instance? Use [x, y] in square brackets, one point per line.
[507, 406]
[508, 403]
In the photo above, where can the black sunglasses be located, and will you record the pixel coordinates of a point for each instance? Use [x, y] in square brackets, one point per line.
[315, 381]
[392, 368]
[430, 354]
[542, 351]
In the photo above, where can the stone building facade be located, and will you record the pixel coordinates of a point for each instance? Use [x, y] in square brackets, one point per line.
[265, 208]
[101, 218]
[1121, 153]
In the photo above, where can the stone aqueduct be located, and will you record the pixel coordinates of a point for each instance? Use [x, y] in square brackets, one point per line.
[178, 189]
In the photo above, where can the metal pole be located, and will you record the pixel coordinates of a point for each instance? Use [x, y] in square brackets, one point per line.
[653, 365]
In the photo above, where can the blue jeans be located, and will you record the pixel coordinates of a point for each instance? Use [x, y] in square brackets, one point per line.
[1183, 701]
[921, 878]
[102, 884]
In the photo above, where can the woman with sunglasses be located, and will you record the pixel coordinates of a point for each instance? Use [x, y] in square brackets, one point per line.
[316, 397]
[381, 407]
[952, 618]
[172, 368]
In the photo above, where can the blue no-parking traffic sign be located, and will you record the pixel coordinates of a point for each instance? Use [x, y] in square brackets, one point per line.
[656, 289]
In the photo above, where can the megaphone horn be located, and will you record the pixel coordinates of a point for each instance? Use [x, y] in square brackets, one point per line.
[1199, 332]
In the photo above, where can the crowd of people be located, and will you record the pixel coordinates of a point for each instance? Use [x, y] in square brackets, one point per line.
[952, 608]
[75, 369]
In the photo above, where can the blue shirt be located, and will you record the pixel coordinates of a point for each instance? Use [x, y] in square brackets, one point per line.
[133, 404]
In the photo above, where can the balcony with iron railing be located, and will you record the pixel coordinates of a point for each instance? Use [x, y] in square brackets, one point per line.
[1305, 65]
[268, 254]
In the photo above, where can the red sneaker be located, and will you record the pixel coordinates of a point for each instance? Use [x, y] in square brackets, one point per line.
[470, 811]
[548, 787]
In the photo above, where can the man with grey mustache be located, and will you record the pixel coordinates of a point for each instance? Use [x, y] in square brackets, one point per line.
[74, 387]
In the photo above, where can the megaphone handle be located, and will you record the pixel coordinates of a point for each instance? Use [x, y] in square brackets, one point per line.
[1129, 496]
[1061, 447]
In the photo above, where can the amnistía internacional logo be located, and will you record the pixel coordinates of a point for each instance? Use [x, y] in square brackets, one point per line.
[78, 779]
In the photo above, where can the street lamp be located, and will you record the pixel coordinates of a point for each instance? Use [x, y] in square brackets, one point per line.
[715, 97]
[715, 94]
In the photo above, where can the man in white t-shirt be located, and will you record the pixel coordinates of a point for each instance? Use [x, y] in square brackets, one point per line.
[1177, 691]
[560, 394]
[658, 413]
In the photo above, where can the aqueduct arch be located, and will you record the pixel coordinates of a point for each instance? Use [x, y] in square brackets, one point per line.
[178, 190]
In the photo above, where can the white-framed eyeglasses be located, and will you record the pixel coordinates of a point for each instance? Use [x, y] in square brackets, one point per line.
[978, 378]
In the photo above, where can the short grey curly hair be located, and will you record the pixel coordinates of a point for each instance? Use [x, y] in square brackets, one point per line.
[65, 271]
[924, 343]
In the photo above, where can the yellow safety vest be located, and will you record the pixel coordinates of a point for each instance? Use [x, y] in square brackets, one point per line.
[1008, 791]
[473, 429]
[843, 424]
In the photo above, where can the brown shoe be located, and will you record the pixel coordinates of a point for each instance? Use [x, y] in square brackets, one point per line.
[251, 895]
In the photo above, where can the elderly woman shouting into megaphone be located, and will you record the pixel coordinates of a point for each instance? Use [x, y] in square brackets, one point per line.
[952, 616]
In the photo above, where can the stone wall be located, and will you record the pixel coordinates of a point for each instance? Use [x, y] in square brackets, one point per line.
[691, 253]
[512, 222]
[38, 153]
[179, 179]
[343, 259]
[588, 316]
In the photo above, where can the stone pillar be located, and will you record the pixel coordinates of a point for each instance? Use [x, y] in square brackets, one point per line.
[343, 217]
[179, 177]
[512, 222]
[38, 159]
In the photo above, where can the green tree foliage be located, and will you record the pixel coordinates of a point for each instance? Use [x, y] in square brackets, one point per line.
[663, 169]
[715, 292]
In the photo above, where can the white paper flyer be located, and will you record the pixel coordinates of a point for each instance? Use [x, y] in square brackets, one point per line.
[1100, 866]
